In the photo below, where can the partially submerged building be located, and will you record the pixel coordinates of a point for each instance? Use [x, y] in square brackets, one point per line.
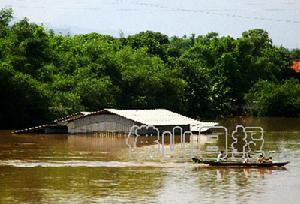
[121, 121]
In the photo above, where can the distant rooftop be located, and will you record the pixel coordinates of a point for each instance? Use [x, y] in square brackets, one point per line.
[296, 65]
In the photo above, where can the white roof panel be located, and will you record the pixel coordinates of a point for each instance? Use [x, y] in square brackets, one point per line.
[157, 117]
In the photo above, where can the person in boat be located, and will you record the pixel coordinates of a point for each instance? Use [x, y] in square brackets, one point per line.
[221, 156]
[261, 158]
[245, 161]
[270, 160]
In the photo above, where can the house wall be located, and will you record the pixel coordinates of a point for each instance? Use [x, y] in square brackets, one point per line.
[113, 123]
[100, 123]
[56, 130]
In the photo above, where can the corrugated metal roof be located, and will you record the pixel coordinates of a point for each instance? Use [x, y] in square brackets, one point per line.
[159, 117]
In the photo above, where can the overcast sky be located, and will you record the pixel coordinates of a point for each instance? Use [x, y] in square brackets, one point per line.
[281, 18]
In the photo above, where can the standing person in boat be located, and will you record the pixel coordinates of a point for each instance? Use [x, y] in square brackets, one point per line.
[221, 156]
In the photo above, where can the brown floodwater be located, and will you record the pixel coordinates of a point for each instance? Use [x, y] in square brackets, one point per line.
[99, 169]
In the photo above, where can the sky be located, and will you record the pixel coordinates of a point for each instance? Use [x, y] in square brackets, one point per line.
[281, 18]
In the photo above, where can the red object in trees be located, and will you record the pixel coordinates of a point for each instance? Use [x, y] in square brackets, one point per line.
[296, 65]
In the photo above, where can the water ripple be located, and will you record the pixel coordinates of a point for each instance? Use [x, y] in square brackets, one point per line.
[30, 164]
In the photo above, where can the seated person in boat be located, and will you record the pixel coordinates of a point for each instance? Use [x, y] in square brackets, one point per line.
[260, 159]
[269, 160]
[221, 156]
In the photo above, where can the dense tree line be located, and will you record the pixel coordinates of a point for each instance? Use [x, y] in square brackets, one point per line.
[44, 75]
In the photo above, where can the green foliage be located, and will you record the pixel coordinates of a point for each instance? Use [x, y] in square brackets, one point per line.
[96, 93]
[5, 19]
[147, 82]
[270, 99]
[44, 75]
[23, 99]
[154, 42]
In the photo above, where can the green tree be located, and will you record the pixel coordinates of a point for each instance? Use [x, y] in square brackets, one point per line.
[24, 100]
[271, 99]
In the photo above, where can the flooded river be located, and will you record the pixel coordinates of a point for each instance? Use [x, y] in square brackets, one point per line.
[97, 169]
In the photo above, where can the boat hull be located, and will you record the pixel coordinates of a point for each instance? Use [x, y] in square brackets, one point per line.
[240, 164]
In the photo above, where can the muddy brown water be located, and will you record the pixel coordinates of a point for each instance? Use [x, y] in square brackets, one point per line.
[96, 169]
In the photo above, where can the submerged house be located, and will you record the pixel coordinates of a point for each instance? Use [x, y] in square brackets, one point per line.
[121, 121]
[113, 120]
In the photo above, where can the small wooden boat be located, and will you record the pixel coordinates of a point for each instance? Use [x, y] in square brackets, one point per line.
[239, 163]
